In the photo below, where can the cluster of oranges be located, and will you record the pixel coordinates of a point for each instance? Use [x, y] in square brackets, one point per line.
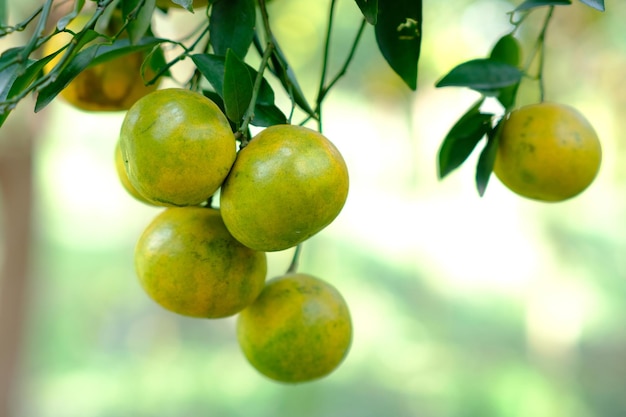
[200, 257]
[176, 149]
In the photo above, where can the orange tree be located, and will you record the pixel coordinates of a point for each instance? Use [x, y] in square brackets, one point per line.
[233, 35]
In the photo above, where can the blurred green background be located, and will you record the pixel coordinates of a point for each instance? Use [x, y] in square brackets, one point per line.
[462, 306]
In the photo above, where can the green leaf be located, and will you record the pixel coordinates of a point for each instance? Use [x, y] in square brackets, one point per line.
[237, 87]
[9, 71]
[462, 139]
[531, 4]
[287, 78]
[63, 22]
[231, 26]
[482, 75]
[486, 160]
[138, 27]
[217, 99]
[268, 115]
[265, 112]
[507, 50]
[596, 4]
[399, 34]
[212, 68]
[369, 8]
[90, 56]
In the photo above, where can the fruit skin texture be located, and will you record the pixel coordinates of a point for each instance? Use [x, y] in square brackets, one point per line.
[286, 185]
[298, 329]
[120, 168]
[110, 86]
[178, 147]
[188, 263]
[547, 152]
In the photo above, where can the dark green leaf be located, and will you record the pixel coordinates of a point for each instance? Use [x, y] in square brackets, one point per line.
[265, 116]
[596, 4]
[9, 58]
[138, 27]
[231, 26]
[90, 56]
[481, 75]
[237, 87]
[217, 99]
[212, 68]
[26, 77]
[531, 4]
[369, 8]
[9, 71]
[507, 50]
[399, 34]
[287, 78]
[63, 22]
[486, 160]
[462, 139]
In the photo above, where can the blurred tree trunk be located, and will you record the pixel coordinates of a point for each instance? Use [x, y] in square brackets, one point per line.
[16, 182]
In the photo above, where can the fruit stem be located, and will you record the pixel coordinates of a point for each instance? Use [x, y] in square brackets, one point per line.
[323, 88]
[342, 71]
[541, 40]
[249, 115]
[293, 267]
[325, 59]
[539, 48]
[267, 54]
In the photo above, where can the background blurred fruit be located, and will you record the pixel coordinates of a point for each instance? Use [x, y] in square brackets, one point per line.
[548, 152]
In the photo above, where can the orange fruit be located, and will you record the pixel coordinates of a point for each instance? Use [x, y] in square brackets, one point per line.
[109, 86]
[188, 263]
[298, 329]
[178, 147]
[547, 152]
[286, 185]
[120, 168]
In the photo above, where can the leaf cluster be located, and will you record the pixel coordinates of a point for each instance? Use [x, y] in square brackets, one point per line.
[220, 50]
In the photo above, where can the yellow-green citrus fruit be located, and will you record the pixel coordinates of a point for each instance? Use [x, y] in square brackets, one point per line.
[110, 86]
[166, 4]
[298, 329]
[188, 263]
[286, 185]
[120, 168]
[178, 147]
[547, 152]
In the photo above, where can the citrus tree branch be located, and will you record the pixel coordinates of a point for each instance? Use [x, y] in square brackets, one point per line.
[267, 54]
[542, 57]
[38, 39]
[325, 59]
